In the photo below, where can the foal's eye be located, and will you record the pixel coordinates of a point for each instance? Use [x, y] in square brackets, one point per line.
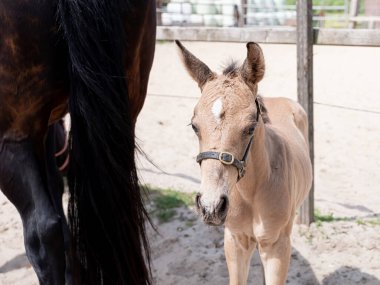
[249, 131]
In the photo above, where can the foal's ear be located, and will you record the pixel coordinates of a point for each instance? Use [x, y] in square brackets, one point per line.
[253, 68]
[196, 68]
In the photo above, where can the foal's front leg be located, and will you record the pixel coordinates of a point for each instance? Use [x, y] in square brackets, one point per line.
[276, 258]
[238, 249]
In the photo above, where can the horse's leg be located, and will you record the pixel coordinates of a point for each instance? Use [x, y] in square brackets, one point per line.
[276, 257]
[21, 180]
[238, 250]
[56, 188]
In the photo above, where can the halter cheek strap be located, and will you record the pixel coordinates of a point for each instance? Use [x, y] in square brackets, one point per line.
[228, 158]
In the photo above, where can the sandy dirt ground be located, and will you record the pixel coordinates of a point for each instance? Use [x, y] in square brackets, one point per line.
[347, 162]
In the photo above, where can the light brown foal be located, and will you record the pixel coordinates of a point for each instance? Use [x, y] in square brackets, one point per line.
[255, 164]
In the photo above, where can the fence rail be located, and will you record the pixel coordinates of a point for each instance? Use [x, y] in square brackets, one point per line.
[248, 13]
[277, 35]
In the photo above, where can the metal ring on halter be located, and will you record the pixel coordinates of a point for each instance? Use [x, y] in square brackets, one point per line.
[223, 158]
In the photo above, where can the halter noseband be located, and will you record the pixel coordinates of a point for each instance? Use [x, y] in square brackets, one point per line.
[228, 158]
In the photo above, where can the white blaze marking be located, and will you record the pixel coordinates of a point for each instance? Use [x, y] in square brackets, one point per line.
[217, 109]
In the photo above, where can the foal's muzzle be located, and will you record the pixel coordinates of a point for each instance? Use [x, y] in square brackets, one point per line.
[214, 216]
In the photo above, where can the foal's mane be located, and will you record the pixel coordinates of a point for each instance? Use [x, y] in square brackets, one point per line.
[232, 70]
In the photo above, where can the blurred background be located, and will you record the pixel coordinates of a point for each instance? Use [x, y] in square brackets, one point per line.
[243, 13]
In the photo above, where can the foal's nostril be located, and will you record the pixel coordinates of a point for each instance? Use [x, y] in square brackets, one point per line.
[222, 207]
[198, 201]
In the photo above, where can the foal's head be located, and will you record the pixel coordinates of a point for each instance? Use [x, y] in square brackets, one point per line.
[224, 121]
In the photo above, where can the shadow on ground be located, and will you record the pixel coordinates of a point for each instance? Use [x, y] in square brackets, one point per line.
[19, 261]
[348, 275]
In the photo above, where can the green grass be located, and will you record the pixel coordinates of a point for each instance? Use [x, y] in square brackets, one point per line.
[165, 202]
[165, 215]
[319, 2]
[169, 198]
[369, 222]
[375, 222]
[164, 41]
[360, 222]
[320, 218]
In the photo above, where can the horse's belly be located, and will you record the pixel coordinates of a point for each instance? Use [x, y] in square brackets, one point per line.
[33, 69]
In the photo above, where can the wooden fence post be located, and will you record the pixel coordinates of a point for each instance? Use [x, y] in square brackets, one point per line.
[159, 12]
[354, 11]
[305, 89]
[243, 14]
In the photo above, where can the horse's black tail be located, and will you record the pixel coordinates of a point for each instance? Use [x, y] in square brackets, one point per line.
[106, 213]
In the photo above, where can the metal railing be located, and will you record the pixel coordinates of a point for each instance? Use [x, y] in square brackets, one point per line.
[231, 13]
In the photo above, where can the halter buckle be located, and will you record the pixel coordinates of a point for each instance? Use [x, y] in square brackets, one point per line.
[226, 158]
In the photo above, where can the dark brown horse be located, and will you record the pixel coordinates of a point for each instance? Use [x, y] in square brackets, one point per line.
[91, 58]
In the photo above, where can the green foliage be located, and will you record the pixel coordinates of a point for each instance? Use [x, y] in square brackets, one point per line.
[375, 222]
[369, 222]
[173, 199]
[319, 2]
[318, 223]
[164, 42]
[165, 215]
[290, 2]
[360, 222]
[166, 201]
[328, 218]
[328, 2]
[319, 217]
